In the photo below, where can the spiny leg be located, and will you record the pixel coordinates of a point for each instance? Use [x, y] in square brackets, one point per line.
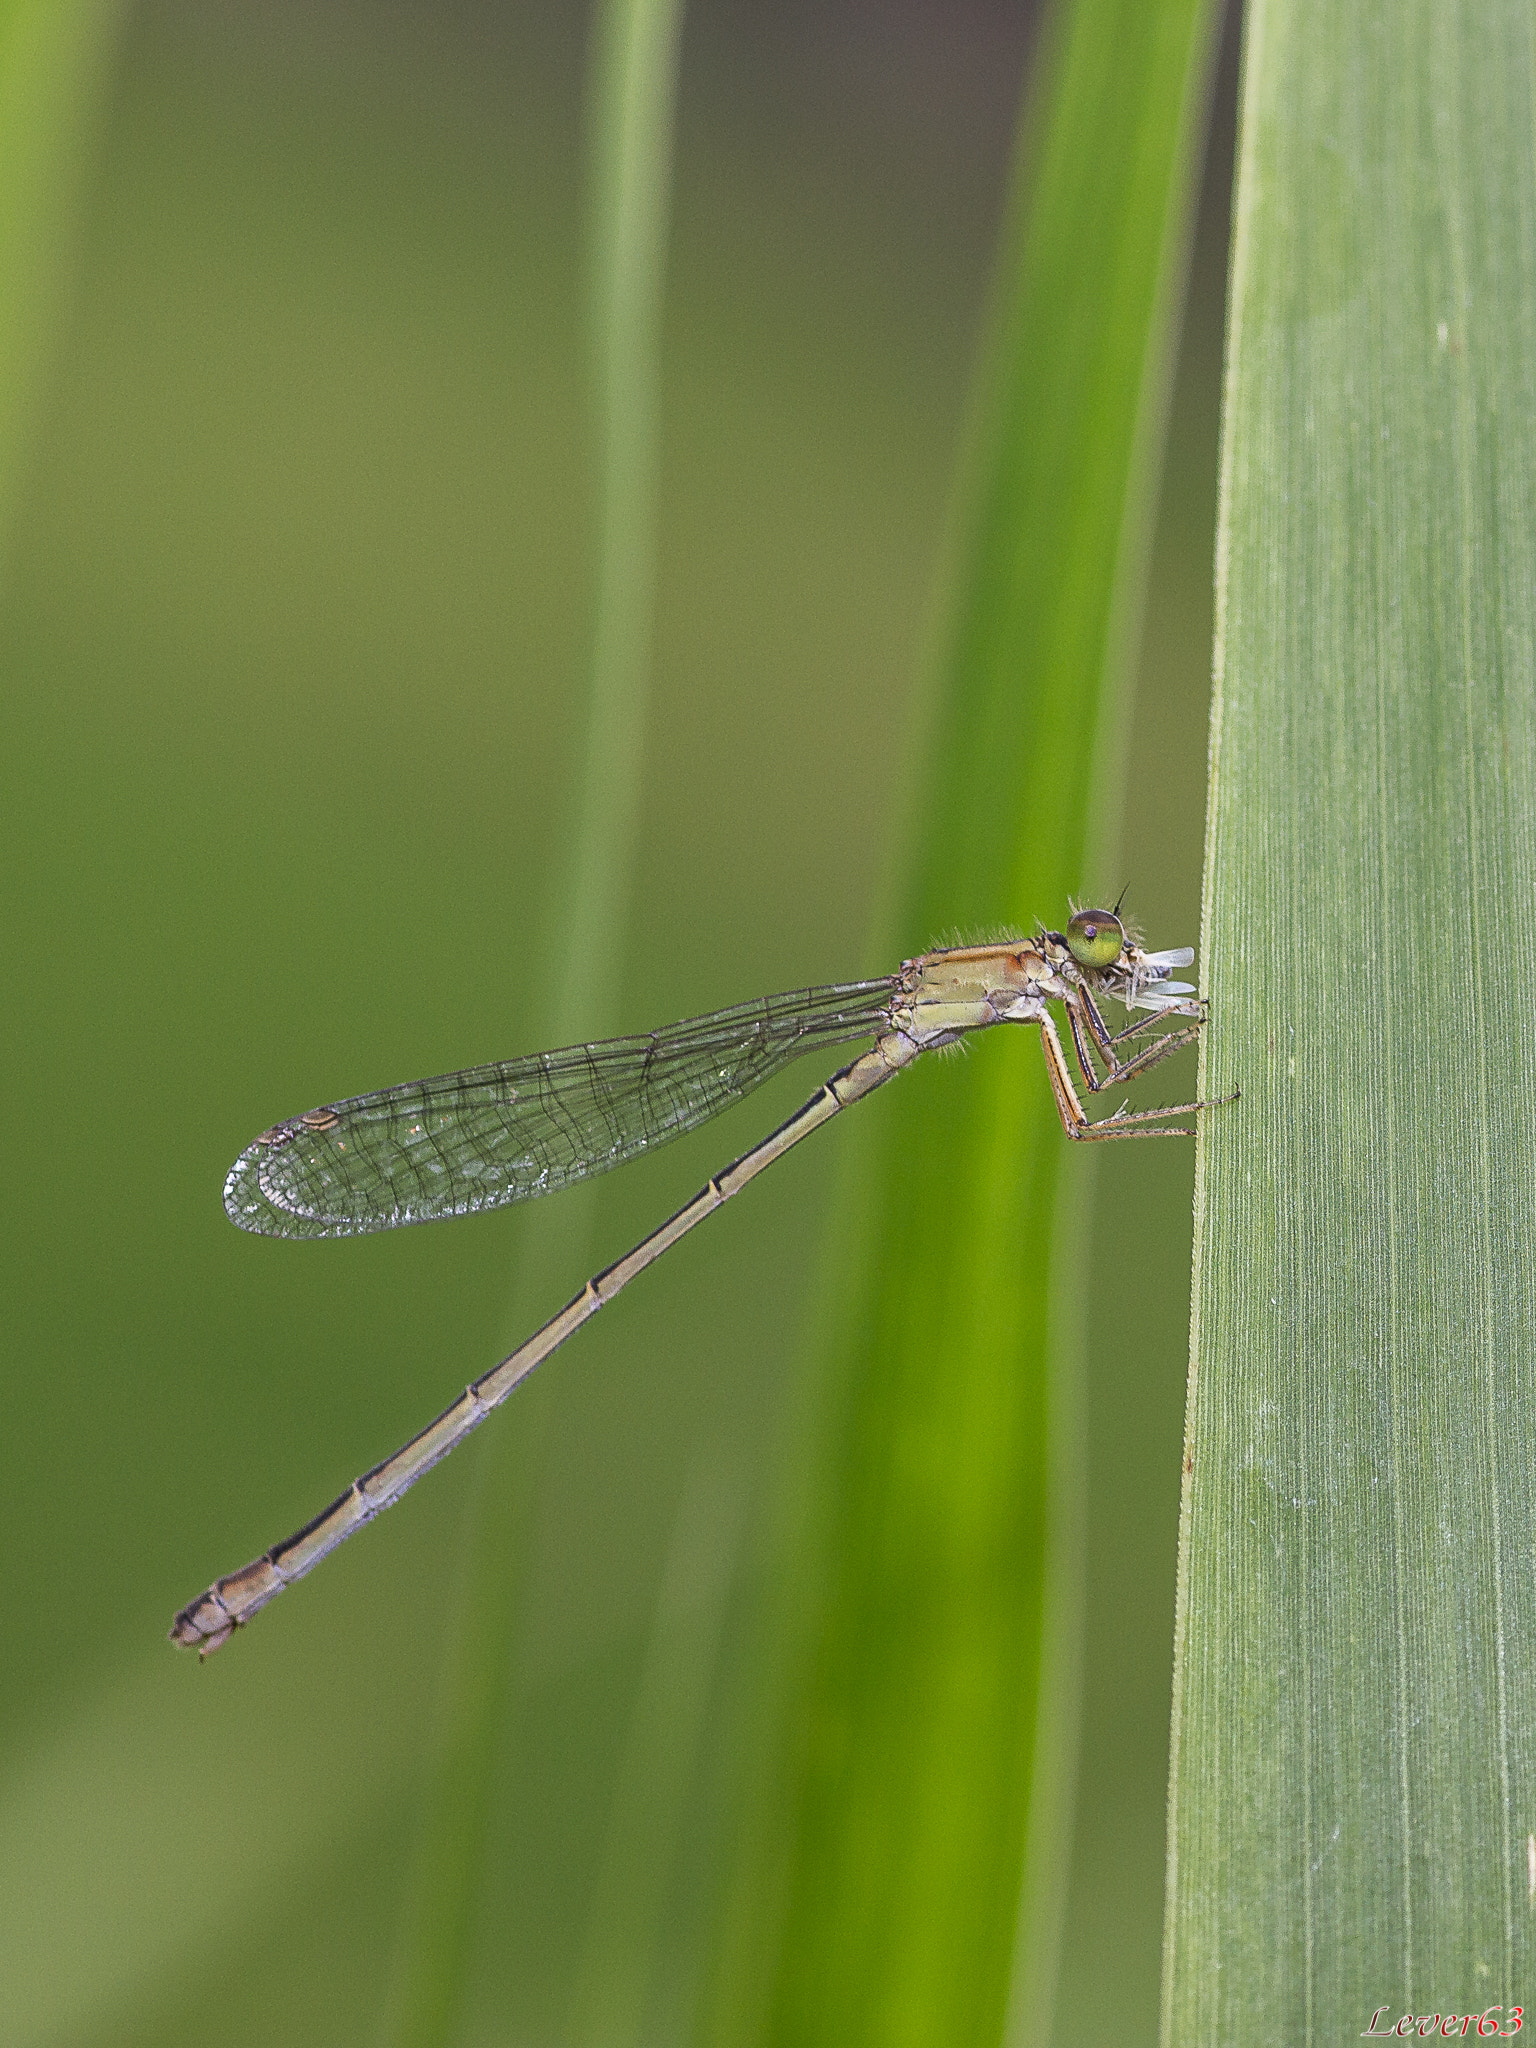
[1139, 1123]
[1115, 1070]
[1118, 1072]
[1106, 1040]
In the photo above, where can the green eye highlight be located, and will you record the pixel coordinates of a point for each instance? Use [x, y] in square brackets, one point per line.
[1095, 939]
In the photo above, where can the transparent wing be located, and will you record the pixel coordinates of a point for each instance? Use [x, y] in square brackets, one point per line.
[500, 1133]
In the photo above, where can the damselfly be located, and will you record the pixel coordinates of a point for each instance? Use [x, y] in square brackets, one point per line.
[501, 1133]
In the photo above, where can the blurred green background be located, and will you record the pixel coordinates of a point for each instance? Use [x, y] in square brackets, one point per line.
[294, 613]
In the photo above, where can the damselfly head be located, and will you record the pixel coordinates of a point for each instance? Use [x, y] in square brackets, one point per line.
[1111, 957]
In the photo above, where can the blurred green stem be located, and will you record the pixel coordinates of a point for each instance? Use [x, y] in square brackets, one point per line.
[902, 1868]
[633, 89]
[54, 58]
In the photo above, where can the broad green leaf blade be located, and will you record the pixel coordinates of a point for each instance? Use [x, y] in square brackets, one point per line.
[932, 1725]
[1353, 1779]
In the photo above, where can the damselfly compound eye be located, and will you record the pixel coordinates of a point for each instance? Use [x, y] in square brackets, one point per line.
[1096, 939]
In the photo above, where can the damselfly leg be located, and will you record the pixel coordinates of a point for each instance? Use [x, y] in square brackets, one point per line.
[1083, 1010]
[1083, 1014]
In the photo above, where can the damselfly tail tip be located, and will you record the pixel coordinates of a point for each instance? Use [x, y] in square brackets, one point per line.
[205, 1626]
